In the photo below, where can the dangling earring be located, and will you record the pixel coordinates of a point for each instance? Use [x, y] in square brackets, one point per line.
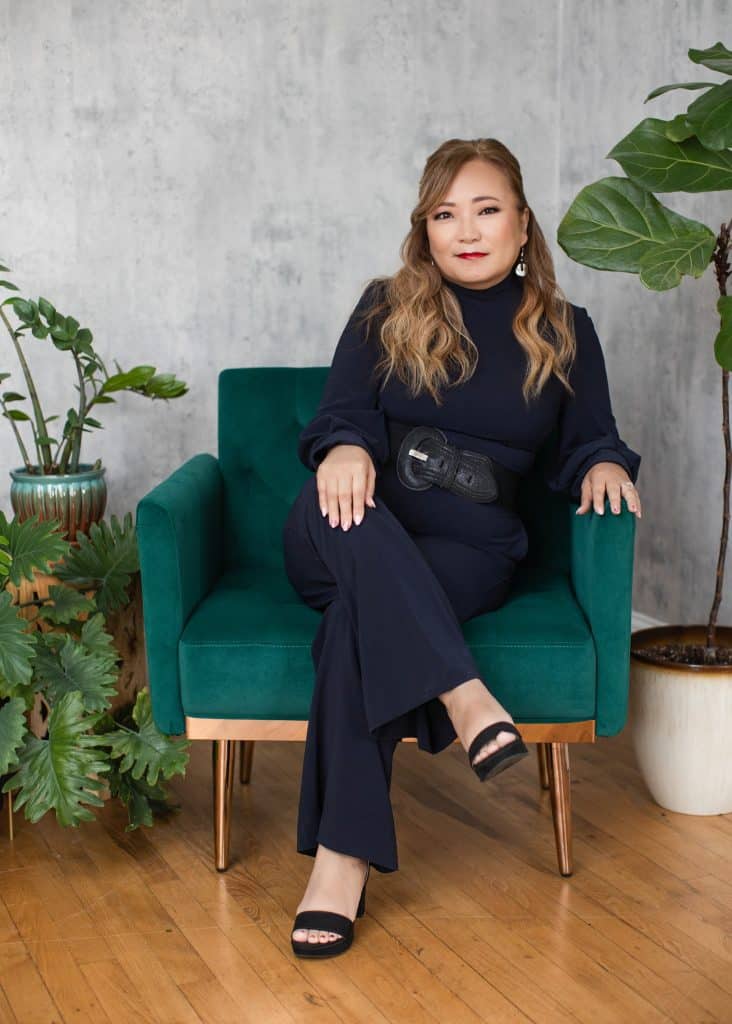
[432, 262]
[521, 266]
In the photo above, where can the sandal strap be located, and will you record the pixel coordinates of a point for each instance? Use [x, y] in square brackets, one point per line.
[324, 921]
[489, 733]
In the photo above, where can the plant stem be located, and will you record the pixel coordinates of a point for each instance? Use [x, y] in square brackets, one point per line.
[722, 271]
[76, 446]
[19, 439]
[44, 452]
[76, 430]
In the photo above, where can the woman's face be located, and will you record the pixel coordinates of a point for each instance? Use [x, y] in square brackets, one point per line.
[477, 215]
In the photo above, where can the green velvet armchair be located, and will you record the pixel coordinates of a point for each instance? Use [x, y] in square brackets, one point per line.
[228, 638]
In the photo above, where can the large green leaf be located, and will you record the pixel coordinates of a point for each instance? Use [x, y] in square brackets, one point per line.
[144, 381]
[17, 648]
[5, 559]
[716, 58]
[97, 641]
[653, 160]
[71, 667]
[104, 560]
[141, 799]
[46, 309]
[67, 605]
[663, 267]
[33, 544]
[614, 224]
[164, 385]
[149, 750]
[13, 728]
[55, 772]
[676, 85]
[137, 377]
[25, 309]
[711, 116]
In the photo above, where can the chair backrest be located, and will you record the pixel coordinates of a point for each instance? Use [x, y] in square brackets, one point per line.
[261, 413]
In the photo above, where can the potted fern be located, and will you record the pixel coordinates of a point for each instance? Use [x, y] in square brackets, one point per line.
[681, 675]
[63, 743]
[55, 483]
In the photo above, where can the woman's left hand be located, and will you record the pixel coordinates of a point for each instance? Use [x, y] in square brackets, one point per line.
[613, 478]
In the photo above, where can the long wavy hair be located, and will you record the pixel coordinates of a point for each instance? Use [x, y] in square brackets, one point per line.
[423, 336]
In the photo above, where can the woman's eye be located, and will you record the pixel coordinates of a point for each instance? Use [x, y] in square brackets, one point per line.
[439, 215]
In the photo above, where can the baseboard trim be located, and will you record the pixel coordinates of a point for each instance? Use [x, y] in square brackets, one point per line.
[640, 621]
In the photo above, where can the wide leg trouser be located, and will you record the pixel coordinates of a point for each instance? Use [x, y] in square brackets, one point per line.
[388, 643]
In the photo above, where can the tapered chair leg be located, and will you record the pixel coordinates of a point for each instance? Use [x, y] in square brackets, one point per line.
[541, 755]
[246, 752]
[560, 792]
[223, 784]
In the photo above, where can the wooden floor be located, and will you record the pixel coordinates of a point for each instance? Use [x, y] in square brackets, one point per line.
[99, 925]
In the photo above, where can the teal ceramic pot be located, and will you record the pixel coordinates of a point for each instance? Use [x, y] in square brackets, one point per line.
[76, 499]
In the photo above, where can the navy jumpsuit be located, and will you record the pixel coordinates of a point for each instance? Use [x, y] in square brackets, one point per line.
[395, 589]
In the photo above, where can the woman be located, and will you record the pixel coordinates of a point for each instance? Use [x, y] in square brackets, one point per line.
[473, 342]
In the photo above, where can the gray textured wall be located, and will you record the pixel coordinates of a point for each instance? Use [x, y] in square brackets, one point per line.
[170, 170]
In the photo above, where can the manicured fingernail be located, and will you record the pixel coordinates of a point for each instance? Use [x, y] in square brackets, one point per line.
[324, 511]
[357, 520]
[615, 508]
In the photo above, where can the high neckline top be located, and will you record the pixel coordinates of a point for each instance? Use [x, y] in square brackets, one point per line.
[511, 285]
[486, 414]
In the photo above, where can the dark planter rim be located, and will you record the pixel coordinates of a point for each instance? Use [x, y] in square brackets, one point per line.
[676, 633]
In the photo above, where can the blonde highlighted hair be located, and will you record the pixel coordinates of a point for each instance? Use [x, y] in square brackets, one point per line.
[423, 337]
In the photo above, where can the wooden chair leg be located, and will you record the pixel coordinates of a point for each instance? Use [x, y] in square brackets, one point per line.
[560, 792]
[222, 752]
[542, 757]
[246, 752]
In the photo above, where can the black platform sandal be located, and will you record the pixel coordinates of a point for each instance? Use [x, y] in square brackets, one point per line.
[328, 921]
[500, 759]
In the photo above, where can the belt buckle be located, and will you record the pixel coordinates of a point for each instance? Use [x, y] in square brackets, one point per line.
[463, 467]
[409, 451]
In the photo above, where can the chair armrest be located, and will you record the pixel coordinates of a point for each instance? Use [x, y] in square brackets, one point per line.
[179, 527]
[601, 571]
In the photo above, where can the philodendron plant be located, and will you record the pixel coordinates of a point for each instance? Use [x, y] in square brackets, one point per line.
[62, 657]
[618, 224]
[95, 384]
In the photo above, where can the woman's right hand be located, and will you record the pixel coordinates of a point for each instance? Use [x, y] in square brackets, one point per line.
[346, 479]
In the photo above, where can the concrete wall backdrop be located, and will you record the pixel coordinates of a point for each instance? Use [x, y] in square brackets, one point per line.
[210, 183]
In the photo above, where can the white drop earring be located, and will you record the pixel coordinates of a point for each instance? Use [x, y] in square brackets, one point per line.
[521, 266]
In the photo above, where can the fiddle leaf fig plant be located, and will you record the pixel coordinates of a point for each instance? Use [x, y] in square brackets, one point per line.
[618, 224]
[70, 666]
[95, 385]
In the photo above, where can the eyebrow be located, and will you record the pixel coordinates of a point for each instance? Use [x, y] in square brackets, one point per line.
[477, 199]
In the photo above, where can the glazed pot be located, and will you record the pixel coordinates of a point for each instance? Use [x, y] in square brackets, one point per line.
[76, 499]
[680, 720]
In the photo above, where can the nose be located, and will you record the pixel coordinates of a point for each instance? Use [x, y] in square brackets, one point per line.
[468, 232]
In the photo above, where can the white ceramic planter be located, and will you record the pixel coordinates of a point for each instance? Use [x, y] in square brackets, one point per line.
[680, 721]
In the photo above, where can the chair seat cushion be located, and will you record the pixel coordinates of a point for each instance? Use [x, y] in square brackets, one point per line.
[245, 651]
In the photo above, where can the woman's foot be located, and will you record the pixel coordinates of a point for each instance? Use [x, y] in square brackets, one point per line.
[472, 708]
[335, 884]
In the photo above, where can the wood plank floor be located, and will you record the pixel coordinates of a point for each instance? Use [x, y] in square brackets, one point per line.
[98, 925]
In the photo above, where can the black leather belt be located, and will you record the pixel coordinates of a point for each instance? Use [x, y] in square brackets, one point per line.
[424, 457]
